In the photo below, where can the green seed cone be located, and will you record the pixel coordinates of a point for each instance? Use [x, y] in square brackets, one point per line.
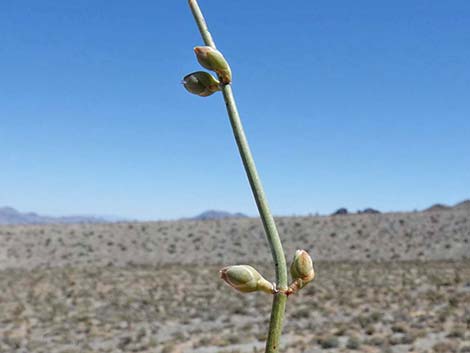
[245, 278]
[201, 83]
[213, 60]
[302, 267]
[301, 270]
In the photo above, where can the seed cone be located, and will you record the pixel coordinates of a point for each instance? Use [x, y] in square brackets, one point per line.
[245, 278]
[201, 83]
[213, 60]
[301, 270]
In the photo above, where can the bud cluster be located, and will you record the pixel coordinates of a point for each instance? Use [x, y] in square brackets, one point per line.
[246, 279]
[202, 83]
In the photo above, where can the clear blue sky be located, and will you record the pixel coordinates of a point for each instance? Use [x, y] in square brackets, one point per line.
[345, 103]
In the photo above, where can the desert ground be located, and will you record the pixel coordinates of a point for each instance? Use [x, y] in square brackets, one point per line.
[397, 282]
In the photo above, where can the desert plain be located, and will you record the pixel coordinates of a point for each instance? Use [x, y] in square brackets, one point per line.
[391, 282]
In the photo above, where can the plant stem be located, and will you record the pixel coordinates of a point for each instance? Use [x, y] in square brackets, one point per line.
[257, 188]
[279, 301]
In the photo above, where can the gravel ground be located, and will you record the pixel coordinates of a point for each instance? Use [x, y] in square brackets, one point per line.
[364, 307]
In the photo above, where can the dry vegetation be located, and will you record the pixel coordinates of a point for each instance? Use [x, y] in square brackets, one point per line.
[437, 235]
[145, 287]
[351, 306]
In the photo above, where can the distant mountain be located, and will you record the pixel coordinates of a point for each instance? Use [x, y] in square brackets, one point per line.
[9, 215]
[438, 207]
[369, 210]
[344, 211]
[464, 205]
[340, 211]
[213, 214]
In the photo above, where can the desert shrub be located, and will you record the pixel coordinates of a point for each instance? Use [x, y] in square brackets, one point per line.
[370, 330]
[234, 338]
[399, 328]
[353, 343]
[341, 329]
[179, 336]
[434, 296]
[377, 341]
[124, 342]
[301, 313]
[366, 320]
[152, 343]
[247, 327]
[444, 314]
[394, 339]
[457, 332]
[262, 336]
[376, 316]
[168, 348]
[329, 342]
[407, 338]
[454, 301]
[444, 347]
[220, 342]
[203, 341]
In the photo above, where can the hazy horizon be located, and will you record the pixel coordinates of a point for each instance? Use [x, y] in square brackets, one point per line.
[118, 218]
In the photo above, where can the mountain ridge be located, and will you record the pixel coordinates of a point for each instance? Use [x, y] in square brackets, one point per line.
[11, 216]
[217, 214]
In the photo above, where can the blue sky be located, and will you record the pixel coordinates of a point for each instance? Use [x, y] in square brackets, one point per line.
[355, 104]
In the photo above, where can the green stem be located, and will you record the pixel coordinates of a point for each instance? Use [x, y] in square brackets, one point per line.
[279, 301]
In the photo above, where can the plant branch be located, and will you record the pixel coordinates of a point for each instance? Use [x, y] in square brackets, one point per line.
[279, 301]
[201, 24]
